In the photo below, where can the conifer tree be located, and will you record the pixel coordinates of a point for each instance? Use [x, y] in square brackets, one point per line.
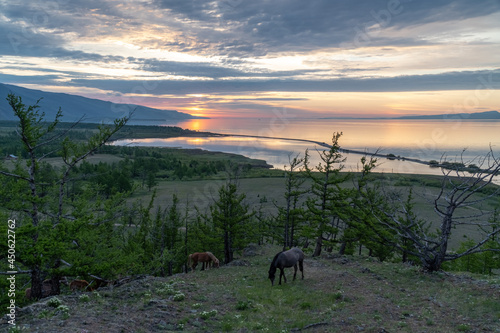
[232, 220]
[328, 198]
[45, 217]
[289, 215]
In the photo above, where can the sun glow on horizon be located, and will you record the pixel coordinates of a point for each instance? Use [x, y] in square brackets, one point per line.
[221, 59]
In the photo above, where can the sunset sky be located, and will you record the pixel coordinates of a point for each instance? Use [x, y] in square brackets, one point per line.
[313, 58]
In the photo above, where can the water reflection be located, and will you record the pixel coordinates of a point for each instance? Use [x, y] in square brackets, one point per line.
[425, 140]
[416, 137]
[274, 152]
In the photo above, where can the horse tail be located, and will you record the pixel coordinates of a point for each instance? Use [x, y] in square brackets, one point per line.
[190, 259]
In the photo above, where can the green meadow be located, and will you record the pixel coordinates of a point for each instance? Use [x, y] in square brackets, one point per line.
[338, 294]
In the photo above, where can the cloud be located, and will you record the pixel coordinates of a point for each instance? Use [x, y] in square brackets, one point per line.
[468, 80]
[261, 26]
[233, 28]
[29, 79]
[236, 46]
[271, 99]
[210, 70]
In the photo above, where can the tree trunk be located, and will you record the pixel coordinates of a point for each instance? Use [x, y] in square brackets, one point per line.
[170, 268]
[286, 244]
[319, 244]
[227, 255]
[445, 234]
[434, 264]
[343, 246]
[36, 283]
[55, 287]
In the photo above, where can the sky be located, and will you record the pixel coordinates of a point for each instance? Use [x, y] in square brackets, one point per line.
[236, 58]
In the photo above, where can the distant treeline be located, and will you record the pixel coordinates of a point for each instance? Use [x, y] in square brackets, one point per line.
[143, 166]
[10, 143]
[146, 166]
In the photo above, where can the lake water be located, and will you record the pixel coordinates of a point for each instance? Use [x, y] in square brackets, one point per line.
[427, 140]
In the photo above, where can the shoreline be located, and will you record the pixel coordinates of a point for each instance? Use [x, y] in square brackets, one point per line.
[452, 166]
[324, 144]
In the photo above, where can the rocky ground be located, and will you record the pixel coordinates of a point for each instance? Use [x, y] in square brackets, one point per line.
[338, 294]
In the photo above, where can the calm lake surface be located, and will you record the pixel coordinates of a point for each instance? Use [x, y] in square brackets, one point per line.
[452, 140]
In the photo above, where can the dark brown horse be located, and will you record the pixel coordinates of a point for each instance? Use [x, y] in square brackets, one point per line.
[205, 258]
[286, 259]
[47, 288]
[80, 285]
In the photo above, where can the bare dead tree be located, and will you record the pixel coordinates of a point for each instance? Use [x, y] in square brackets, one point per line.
[461, 201]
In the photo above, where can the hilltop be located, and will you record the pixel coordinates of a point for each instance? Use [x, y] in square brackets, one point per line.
[338, 294]
[486, 115]
[94, 110]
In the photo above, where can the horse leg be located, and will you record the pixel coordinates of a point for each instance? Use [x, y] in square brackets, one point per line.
[301, 266]
[295, 271]
[282, 273]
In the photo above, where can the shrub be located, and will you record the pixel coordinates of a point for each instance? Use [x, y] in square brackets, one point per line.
[54, 302]
[84, 298]
[63, 310]
[166, 289]
[243, 305]
[208, 314]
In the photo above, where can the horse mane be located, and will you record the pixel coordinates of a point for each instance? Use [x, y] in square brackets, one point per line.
[214, 258]
[273, 263]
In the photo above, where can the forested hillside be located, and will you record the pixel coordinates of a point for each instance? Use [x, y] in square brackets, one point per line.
[81, 209]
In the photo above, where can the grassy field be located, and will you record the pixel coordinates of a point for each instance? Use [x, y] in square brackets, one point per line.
[264, 188]
[338, 294]
[267, 192]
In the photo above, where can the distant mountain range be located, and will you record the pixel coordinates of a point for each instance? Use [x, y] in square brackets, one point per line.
[97, 111]
[473, 116]
[487, 115]
[94, 110]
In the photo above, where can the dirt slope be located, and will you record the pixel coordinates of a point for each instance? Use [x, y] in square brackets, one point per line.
[338, 294]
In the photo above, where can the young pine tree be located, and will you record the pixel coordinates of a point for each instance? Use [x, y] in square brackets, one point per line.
[43, 210]
[327, 202]
[232, 220]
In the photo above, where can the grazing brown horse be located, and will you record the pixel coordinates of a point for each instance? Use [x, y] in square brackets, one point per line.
[46, 289]
[205, 258]
[80, 285]
[287, 259]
